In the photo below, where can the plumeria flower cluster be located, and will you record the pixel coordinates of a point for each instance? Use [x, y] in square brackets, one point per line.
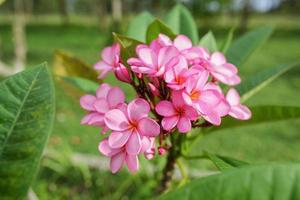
[177, 88]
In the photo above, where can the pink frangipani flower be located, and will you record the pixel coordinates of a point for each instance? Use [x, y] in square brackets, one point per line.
[129, 126]
[237, 110]
[106, 98]
[150, 61]
[176, 113]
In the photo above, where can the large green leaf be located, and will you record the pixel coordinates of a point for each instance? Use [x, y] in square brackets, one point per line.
[26, 118]
[128, 46]
[227, 42]
[223, 162]
[138, 26]
[244, 46]
[258, 81]
[278, 182]
[260, 114]
[180, 20]
[157, 27]
[209, 41]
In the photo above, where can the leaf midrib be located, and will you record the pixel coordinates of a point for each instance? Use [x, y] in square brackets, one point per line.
[19, 111]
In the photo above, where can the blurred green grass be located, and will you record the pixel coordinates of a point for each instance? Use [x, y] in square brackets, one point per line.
[257, 144]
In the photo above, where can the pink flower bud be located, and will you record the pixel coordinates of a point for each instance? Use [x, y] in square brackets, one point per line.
[122, 74]
[153, 89]
[161, 151]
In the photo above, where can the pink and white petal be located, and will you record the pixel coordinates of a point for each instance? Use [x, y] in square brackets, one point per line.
[218, 58]
[187, 99]
[169, 76]
[115, 96]
[240, 112]
[164, 40]
[160, 71]
[132, 162]
[213, 86]
[165, 108]
[118, 139]
[106, 150]
[135, 62]
[87, 102]
[145, 55]
[103, 66]
[138, 109]
[166, 54]
[169, 122]
[142, 69]
[148, 127]
[108, 55]
[190, 113]
[210, 97]
[234, 80]
[134, 144]
[184, 125]
[102, 90]
[213, 118]
[101, 106]
[116, 162]
[201, 80]
[177, 99]
[116, 120]
[222, 108]
[233, 97]
[181, 42]
[146, 144]
[94, 119]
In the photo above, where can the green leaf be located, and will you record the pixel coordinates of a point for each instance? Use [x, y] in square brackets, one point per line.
[228, 40]
[260, 114]
[26, 118]
[258, 81]
[247, 183]
[128, 46]
[182, 22]
[209, 41]
[83, 84]
[138, 26]
[157, 27]
[65, 64]
[224, 163]
[244, 46]
[2, 1]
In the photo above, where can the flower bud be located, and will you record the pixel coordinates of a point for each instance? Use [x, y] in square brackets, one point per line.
[161, 151]
[122, 73]
[153, 89]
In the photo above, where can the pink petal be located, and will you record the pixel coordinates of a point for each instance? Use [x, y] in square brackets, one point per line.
[222, 108]
[117, 161]
[146, 144]
[169, 122]
[118, 139]
[164, 40]
[102, 90]
[182, 42]
[93, 119]
[201, 79]
[240, 112]
[132, 163]
[233, 97]
[101, 106]
[135, 62]
[166, 54]
[145, 54]
[187, 99]
[218, 58]
[184, 125]
[143, 70]
[134, 144]
[108, 54]
[105, 149]
[177, 99]
[115, 96]
[87, 102]
[190, 113]
[210, 97]
[148, 127]
[116, 120]
[213, 118]
[138, 109]
[165, 108]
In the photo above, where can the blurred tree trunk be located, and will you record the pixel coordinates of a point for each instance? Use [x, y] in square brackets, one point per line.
[116, 9]
[19, 35]
[100, 7]
[63, 11]
[245, 15]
